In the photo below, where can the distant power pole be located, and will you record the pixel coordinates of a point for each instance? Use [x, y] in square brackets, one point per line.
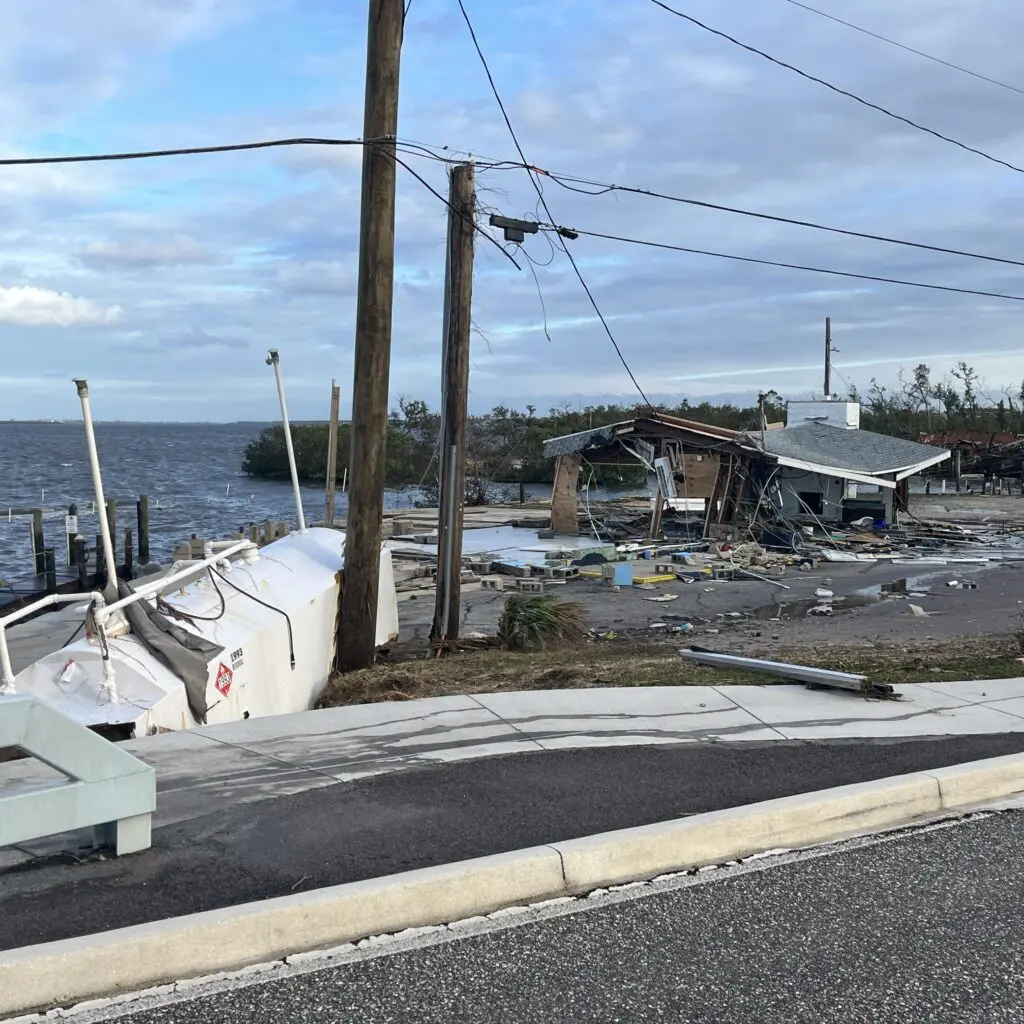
[828, 356]
[357, 614]
[332, 454]
[458, 303]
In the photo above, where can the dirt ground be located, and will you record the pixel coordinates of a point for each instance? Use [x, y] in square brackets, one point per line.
[966, 632]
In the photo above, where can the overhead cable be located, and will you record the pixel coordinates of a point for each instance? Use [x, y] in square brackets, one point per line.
[835, 88]
[238, 147]
[604, 188]
[777, 263]
[544, 204]
[909, 49]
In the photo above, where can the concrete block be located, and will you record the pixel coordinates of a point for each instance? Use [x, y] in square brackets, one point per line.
[127, 959]
[963, 785]
[534, 586]
[714, 838]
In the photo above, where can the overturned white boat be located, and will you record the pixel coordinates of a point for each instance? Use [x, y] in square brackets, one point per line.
[243, 632]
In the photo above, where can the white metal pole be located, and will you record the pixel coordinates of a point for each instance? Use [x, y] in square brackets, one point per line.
[110, 592]
[274, 360]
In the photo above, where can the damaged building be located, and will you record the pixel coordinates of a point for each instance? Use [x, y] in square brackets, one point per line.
[818, 466]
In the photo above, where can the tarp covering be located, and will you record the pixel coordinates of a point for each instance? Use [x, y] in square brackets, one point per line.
[185, 654]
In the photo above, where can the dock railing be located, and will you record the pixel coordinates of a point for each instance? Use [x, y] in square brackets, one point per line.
[102, 611]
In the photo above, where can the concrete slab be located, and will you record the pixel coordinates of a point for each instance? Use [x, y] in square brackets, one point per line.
[354, 742]
[798, 713]
[625, 715]
[981, 691]
[1013, 706]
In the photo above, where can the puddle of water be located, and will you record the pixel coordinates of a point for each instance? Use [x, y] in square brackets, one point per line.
[785, 610]
[907, 586]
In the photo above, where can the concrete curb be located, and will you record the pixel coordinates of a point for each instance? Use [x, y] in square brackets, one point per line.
[129, 959]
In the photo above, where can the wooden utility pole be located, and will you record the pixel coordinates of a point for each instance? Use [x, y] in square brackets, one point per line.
[828, 356]
[455, 401]
[357, 613]
[332, 452]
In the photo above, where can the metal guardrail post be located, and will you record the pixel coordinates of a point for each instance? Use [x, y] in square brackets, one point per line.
[105, 788]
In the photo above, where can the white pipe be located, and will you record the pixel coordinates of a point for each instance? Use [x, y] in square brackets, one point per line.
[6, 670]
[166, 582]
[97, 482]
[274, 360]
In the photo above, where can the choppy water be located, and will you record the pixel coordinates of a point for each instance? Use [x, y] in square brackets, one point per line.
[191, 473]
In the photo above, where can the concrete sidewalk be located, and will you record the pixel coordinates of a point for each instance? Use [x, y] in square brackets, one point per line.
[201, 770]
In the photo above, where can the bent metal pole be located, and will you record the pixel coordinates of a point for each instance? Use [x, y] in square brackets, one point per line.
[274, 360]
[110, 591]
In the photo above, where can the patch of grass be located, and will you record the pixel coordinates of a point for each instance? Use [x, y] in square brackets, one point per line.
[641, 662]
[536, 623]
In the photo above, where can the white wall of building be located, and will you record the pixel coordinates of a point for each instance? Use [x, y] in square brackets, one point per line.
[793, 482]
[835, 414]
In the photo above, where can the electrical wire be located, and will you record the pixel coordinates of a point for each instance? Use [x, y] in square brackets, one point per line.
[270, 607]
[70, 639]
[458, 213]
[837, 89]
[571, 182]
[788, 266]
[567, 181]
[909, 49]
[544, 204]
[177, 613]
[561, 179]
[150, 154]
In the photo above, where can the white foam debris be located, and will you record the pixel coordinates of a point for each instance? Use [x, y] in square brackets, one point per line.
[557, 901]
[503, 912]
[467, 922]
[320, 954]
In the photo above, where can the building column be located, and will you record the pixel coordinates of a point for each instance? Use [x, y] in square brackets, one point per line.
[564, 513]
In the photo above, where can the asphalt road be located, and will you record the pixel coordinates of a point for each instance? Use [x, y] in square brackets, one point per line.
[927, 929]
[435, 815]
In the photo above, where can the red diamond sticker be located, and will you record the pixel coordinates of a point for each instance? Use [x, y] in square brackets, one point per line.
[224, 677]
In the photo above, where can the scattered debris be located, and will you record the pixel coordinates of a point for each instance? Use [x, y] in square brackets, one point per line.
[663, 597]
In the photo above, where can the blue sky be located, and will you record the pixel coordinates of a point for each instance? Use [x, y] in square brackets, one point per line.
[164, 282]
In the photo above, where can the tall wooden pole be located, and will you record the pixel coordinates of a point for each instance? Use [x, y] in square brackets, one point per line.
[828, 356]
[357, 613]
[455, 402]
[332, 452]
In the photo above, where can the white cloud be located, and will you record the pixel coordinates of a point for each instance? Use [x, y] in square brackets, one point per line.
[316, 277]
[182, 249]
[28, 306]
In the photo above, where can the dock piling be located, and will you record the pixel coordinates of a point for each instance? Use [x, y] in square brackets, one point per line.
[142, 517]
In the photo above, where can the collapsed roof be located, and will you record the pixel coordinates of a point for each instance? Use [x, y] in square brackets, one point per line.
[815, 447]
[842, 452]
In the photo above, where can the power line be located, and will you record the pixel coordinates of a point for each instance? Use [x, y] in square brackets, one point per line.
[544, 204]
[567, 181]
[909, 49]
[238, 147]
[570, 181]
[150, 154]
[560, 179]
[476, 227]
[837, 89]
[788, 266]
